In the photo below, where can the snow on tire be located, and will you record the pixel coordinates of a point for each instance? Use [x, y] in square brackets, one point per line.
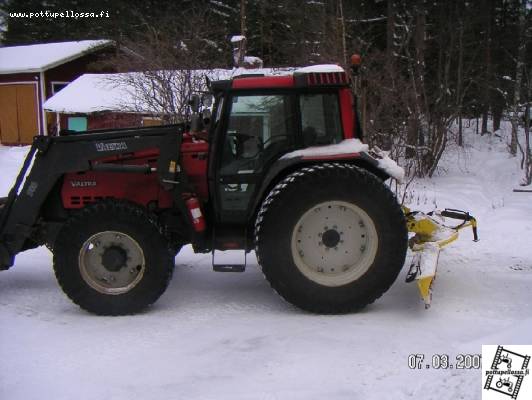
[331, 238]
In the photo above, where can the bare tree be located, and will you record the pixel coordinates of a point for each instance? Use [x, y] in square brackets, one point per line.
[162, 63]
[341, 23]
[519, 70]
[488, 62]
[527, 151]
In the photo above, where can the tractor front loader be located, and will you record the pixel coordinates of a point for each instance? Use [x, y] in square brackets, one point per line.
[279, 169]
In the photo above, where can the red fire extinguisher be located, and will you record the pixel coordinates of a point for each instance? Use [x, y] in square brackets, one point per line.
[194, 209]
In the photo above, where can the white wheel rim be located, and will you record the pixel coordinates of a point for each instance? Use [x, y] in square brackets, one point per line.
[121, 278]
[334, 243]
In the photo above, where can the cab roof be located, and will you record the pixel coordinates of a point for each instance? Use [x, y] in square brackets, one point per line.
[328, 75]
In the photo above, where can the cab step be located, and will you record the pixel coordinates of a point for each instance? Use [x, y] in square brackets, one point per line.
[229, 267]
[229, 260]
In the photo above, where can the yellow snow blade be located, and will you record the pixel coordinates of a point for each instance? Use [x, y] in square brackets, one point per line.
[425, 289]
[423, 269]
[431, 235]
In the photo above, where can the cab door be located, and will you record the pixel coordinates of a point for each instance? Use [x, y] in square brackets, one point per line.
[259, 128]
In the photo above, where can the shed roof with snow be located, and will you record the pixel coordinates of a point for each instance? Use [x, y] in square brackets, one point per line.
[92, 93]
[41, 57]
[32, 73]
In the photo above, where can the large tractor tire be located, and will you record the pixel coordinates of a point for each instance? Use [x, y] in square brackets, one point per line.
[111, 259]
[331, 238]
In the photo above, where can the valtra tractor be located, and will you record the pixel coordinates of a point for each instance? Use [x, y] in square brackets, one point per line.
[279, 169]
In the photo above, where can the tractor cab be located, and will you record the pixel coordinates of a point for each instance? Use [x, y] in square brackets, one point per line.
[256, 120]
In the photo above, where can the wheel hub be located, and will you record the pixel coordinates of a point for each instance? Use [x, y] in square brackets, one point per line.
[330, 238]
[114, 258]
[334, 243]
[111, 262]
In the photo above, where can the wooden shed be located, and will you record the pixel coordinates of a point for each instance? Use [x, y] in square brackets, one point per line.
[97, 101]
[31, 74]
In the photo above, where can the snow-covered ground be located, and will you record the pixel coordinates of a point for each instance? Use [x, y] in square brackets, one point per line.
[228, 336]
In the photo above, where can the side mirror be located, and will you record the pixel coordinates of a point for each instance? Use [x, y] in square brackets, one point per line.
[194, 103]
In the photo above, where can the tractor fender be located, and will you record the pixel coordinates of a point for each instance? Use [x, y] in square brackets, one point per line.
[377, 163]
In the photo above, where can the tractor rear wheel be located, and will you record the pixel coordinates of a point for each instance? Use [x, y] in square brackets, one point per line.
[331, 238]
[112, 259]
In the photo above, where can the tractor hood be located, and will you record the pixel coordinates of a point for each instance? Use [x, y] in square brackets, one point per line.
[351, 148]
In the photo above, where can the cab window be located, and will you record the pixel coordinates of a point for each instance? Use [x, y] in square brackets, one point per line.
[260, 127]
[320, 119]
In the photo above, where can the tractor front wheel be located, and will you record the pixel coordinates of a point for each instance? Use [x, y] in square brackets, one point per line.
[111, 259]
[331, 238]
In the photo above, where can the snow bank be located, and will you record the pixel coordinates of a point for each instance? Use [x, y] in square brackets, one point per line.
[11, 159]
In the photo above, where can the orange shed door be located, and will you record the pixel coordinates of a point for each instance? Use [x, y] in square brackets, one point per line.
[18, 114]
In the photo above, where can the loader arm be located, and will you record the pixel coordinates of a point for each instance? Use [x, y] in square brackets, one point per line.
[50, 158]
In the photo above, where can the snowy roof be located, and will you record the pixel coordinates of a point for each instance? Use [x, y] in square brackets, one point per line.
[40, 57]
[320, 68]
[92, 93]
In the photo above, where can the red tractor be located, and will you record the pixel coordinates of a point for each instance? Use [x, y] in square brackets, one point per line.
[279, 169]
